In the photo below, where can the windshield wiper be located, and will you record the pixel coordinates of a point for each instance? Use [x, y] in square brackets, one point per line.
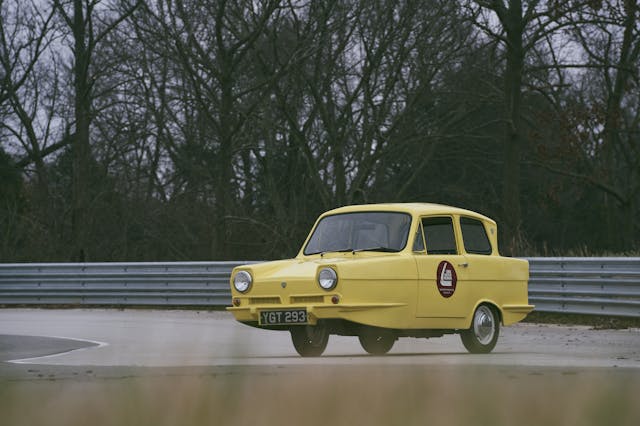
[323, 252]
[382, 249]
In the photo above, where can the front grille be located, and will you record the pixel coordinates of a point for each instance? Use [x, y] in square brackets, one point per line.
[307, 299]
[264, 300]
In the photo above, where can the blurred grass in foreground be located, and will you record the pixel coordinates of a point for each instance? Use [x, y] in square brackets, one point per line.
[332, 395]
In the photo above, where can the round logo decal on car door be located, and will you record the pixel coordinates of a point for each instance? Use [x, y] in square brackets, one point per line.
[446, 279]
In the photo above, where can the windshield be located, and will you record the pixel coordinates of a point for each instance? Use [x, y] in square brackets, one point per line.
[375, 231]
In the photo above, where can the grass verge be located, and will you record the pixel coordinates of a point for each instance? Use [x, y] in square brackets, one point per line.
[599, 322]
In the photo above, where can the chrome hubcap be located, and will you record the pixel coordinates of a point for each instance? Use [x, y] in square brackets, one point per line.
[483, 325]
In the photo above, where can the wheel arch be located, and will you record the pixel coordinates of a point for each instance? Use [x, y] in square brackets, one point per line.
[493, 305]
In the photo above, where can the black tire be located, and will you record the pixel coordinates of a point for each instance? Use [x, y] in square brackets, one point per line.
[376, 341]
[310, 340]
[482, 337]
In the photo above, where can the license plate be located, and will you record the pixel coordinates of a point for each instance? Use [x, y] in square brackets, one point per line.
[296, 316]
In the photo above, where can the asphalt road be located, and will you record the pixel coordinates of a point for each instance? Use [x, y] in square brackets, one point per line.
[157, 338]
[188, 367]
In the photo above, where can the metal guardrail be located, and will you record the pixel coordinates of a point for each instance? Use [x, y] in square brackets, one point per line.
[126, 284]
[607, 286]
[602, 286]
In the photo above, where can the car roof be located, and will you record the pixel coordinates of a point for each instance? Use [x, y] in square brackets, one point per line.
[415, 209]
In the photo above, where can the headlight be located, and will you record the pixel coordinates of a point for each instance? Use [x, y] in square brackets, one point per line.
[242, 281]
[327, 278]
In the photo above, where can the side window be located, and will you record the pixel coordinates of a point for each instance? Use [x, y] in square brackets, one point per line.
[474, 236]
[418, 243]
[439, 235]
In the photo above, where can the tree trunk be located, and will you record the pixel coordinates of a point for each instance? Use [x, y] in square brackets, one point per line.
[513, 132]
[619, 236]
[81, 145]
[224, 160]
[513, 23]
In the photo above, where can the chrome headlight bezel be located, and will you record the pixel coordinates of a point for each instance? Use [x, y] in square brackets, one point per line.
[242, 281]
[327, 278]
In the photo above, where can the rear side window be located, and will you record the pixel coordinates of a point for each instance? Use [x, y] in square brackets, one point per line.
[474, 236]
[439, 235]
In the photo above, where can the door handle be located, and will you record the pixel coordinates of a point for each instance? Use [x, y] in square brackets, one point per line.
[464, 265]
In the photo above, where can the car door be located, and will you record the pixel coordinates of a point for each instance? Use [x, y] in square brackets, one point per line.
[442, 269]
[482, 267]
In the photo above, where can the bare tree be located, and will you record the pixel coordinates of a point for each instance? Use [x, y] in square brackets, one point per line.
[89, 22]
[521, 27]
[212, 41]
[606, 130]
[351, 102]
[25, 83]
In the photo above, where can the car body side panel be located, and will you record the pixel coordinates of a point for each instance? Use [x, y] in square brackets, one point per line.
[500, 281]
[431, 303]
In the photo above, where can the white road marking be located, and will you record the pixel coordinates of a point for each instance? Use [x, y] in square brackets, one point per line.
[35, 360]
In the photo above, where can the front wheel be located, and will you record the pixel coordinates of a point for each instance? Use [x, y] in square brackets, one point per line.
[482, 337]
[310, 340]
[376, 341]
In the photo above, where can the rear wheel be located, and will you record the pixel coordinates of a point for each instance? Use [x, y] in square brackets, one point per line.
[377, 341]
[482, 337]
[310, 340]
